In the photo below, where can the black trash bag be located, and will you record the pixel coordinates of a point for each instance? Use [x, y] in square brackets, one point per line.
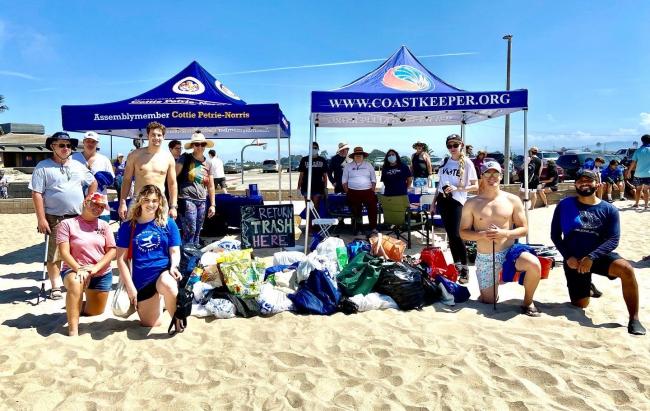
[183, 310]
[403, 284]
[190, 257]
[246, 308]
[432, 293]
[347, 306]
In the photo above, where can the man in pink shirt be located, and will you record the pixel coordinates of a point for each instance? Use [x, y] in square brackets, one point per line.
[87, 247]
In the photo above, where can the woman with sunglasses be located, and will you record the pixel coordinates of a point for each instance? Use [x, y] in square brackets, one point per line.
[194, 185]
[457, 178]
[150, 239]
[87, 246]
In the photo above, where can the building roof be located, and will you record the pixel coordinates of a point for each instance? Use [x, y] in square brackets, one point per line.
[22, 143]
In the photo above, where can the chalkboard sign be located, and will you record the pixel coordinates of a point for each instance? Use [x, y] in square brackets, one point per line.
[267, 226]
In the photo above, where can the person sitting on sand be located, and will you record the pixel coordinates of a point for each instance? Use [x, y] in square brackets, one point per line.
[153, 241]
[586, 231]
[150, 165]
[488, 219]
[87, 246]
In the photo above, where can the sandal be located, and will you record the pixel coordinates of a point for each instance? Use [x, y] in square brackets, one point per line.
[531, 311]
[56, 294]
[594, 292]
[634, 327]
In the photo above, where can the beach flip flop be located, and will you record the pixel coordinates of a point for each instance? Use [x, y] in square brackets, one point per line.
[595, 292]
[634, 327]
[531, 311]
[56, 294]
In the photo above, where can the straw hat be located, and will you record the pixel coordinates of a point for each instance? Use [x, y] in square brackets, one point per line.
[425, 147]
[358, 150]
[198, 138]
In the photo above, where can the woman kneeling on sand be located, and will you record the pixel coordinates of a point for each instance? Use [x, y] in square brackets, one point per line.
[151, 240]
[87, 247]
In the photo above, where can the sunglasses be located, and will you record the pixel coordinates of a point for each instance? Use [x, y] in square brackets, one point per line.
[199, 144]
[64, 170]
[450, 146]
[64, 145]
[490, 174]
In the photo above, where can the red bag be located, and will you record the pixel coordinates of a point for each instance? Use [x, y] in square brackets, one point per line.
[433, 258]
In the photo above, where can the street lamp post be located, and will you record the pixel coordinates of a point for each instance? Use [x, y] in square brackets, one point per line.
[254, 143]
[506, 149]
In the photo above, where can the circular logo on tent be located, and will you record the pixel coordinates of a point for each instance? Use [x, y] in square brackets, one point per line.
[188, 85]
[406, 78]
[225, 90]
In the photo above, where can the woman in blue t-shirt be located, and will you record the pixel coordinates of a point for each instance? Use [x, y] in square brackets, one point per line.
[153, 241]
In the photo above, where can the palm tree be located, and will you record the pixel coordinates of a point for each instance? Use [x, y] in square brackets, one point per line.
[2, 105]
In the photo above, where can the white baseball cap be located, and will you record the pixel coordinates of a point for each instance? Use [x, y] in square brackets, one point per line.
[91, 135]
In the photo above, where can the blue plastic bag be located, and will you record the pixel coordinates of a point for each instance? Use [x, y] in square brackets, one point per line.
[357, 246]
[316, 295]
[460, 293]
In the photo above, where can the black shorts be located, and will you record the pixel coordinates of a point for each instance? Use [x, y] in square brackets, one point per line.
[147, 291]
[220, 182]
[579, 285]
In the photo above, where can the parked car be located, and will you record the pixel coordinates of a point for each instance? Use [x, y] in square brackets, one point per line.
[379, 161]
[270, 166]
[231, 168]
[571, 162]
[561, 175]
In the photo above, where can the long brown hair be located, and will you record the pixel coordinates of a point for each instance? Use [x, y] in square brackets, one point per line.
[161, 213]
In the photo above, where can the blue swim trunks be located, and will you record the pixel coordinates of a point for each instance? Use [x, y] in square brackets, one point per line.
[504, 266]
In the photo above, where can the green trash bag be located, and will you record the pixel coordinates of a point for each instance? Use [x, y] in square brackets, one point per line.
[360, 275]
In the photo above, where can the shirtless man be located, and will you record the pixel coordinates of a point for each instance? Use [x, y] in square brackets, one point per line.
[150, 165]
[487, 219]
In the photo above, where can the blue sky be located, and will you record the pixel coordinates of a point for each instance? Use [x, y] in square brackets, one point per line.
[584, 63]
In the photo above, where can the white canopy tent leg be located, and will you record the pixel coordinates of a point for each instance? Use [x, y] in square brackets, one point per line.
[290, 182]
[312, 137]
[279, 167]
[526, 194]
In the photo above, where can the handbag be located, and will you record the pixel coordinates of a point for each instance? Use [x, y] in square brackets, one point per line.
[389, 247]
[121, 304]
[360, 275]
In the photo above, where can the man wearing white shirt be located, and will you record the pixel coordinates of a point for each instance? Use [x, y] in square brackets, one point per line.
[96, 163]
[359, 182]
[216, 171]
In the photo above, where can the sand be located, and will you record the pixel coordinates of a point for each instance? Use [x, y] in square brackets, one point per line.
[465, 357]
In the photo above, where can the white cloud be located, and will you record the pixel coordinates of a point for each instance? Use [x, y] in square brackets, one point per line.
[645, 121]
[17, 74]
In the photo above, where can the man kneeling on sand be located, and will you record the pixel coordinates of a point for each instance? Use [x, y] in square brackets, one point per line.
[586, 232]
[488, 219]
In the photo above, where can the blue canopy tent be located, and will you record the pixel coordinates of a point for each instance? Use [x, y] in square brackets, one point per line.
[191, 100]
[403, 93]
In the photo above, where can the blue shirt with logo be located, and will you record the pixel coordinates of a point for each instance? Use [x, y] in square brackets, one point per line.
[580, 230]
[394, 179]
[150, 248]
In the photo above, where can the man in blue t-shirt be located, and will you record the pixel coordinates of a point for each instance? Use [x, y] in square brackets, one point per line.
[586, 231]
[640, 165]
[612, 177]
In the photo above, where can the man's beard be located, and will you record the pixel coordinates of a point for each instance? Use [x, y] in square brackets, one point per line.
[586, 192]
